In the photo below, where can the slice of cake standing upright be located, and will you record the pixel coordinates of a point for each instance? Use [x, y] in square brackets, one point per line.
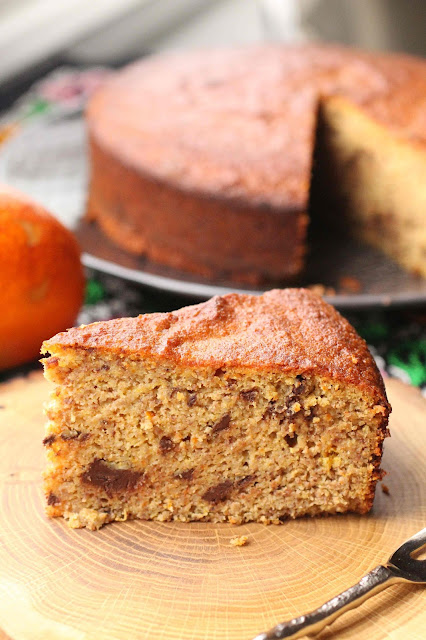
[239, 409]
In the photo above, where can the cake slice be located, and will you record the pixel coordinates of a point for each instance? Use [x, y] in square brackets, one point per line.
[239, 409]
[370, 183]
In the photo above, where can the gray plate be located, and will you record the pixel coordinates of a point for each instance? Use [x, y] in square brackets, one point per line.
[383, 282]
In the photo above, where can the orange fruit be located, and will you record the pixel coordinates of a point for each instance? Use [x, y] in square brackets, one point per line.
[41, 278]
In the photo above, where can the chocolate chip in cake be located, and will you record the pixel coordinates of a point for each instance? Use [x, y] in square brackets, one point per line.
[48, 440]
[100, 474]
[249, 395]
[269, 410]
[192, 399]
[103, 367]
[301, 379]
[291, 439]
[185, 475]
[166, 444]
[52, 499]
[222, 424]
[299, 387]
[313, 413]
[219, 492]
[242, 483]
[275, 410]
[75, 435]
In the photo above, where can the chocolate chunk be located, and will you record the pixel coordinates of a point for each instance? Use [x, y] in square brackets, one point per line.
[100, 474]
[291, 439]
[76, 435]
[298, 388]
[250, 395]
[269, 411]
[313, 413]
[219, 373]
[222, 424]
[48, 440]
[275, 410]
[166, 444]
[52, 499]
[285, 411]
[219, 492]
[185, 475]
[192, 399]
[243, 482]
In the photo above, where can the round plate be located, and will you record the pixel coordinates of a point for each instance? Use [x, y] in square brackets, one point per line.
[48, 161]
[330, 263]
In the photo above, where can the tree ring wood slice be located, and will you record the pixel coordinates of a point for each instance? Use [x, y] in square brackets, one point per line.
[173, 581]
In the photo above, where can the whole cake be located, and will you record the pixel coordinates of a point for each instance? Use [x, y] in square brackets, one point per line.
[238, 409]
[203, 161]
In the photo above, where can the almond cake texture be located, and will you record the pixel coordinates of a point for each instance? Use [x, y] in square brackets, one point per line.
[243, 408]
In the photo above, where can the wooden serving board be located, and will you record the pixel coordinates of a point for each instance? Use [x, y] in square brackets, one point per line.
[185, 581]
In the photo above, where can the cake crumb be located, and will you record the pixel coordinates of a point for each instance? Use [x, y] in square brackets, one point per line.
[385, 489]
[296, 407]
[322, 290]
[350, 284]
[238, 541]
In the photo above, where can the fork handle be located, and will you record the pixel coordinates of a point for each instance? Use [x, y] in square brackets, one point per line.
[312, 623]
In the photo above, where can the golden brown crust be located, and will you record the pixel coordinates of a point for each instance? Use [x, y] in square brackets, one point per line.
[283, 330]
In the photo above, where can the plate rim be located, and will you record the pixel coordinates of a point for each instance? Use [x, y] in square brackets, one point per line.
[197, 290]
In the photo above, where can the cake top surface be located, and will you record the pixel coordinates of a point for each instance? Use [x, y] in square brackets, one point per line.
[241, 123]
[287, 330]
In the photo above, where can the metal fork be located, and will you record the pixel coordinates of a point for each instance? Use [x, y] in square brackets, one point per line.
[401, 567]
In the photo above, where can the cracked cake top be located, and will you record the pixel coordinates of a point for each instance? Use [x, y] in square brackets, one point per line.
[290, 330]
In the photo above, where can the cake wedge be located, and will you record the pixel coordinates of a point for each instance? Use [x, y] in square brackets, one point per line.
[242, 408]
